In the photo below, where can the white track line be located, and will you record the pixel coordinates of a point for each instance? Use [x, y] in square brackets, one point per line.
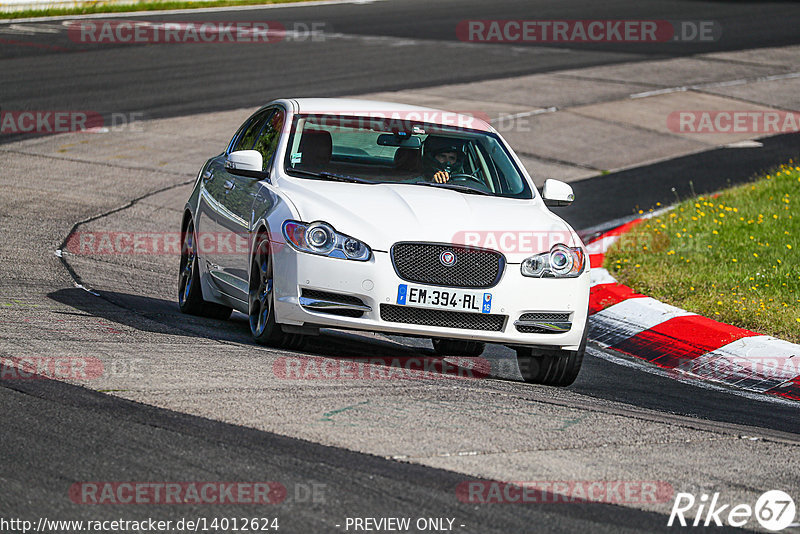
[728, 83]
[128, 14]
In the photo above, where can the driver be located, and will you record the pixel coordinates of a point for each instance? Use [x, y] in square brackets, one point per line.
[441, 157]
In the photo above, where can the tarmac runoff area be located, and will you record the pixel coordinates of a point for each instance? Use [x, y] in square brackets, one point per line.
[575, 124]
[138, 179]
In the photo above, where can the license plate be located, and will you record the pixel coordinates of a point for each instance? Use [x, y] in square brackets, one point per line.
[444, 299]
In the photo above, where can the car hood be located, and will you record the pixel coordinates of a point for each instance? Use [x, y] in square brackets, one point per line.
[383, 214]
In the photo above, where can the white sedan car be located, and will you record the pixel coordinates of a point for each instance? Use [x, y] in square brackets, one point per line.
[388, 218]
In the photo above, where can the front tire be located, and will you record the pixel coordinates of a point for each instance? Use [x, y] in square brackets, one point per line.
[263, 327]
[458, 347]
[190, 294]
[557, 368]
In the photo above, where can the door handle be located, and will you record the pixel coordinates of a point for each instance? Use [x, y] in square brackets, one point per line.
[229, 185]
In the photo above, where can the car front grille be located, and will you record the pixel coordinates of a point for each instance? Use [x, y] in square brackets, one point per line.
[442, 318]
[473, 267]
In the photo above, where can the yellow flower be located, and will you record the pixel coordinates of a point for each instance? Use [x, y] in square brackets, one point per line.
[734, 260]
[789, 247]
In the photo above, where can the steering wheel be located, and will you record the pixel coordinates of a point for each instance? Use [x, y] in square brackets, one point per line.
[468, 179]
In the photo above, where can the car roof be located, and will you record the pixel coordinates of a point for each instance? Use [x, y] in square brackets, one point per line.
[475, 119]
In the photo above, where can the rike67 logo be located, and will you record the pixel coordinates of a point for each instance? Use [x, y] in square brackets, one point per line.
[774, 510]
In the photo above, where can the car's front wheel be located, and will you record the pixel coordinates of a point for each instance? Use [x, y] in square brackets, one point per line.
[263, 327]
[190, 294]
[457, 347]
[551, 367]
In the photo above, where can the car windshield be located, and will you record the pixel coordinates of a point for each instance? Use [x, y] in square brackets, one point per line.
[383, 150]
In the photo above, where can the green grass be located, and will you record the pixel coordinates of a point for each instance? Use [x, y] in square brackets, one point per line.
[143, 5]
[734, 257]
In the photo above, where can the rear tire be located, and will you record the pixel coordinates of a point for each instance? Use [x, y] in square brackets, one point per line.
[557, 368]
[457, 347]
[190, 294]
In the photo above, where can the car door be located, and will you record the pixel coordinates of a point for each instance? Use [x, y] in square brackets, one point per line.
[236, 211]
[219, 229]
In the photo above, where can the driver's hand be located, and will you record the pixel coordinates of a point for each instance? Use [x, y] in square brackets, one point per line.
[441, 177]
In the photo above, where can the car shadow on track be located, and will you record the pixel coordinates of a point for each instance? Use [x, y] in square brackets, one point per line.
[357, 352]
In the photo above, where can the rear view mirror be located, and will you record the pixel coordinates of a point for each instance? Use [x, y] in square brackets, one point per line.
[557, 193]
[401, 141]
[246, 163]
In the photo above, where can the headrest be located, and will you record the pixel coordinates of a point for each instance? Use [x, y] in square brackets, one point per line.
[407, 159]
[316, 147]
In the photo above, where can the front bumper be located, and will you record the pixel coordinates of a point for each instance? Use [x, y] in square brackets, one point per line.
[375, 282]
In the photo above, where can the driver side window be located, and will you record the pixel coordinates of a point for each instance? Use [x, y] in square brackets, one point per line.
[267, 141]
[248, 136]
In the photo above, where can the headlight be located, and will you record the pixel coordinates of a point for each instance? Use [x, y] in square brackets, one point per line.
[320, 238]
[561, 262]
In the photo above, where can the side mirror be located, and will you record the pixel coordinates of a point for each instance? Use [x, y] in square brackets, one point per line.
[557, 193]
[246, 163]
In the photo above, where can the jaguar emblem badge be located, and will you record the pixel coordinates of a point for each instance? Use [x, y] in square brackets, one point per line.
[447, 258]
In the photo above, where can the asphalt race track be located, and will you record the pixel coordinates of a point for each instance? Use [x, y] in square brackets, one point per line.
[372, 47]
[191, 399]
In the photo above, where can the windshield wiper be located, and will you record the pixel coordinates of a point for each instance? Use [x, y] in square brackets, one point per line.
[332, 177]
[454, 187]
